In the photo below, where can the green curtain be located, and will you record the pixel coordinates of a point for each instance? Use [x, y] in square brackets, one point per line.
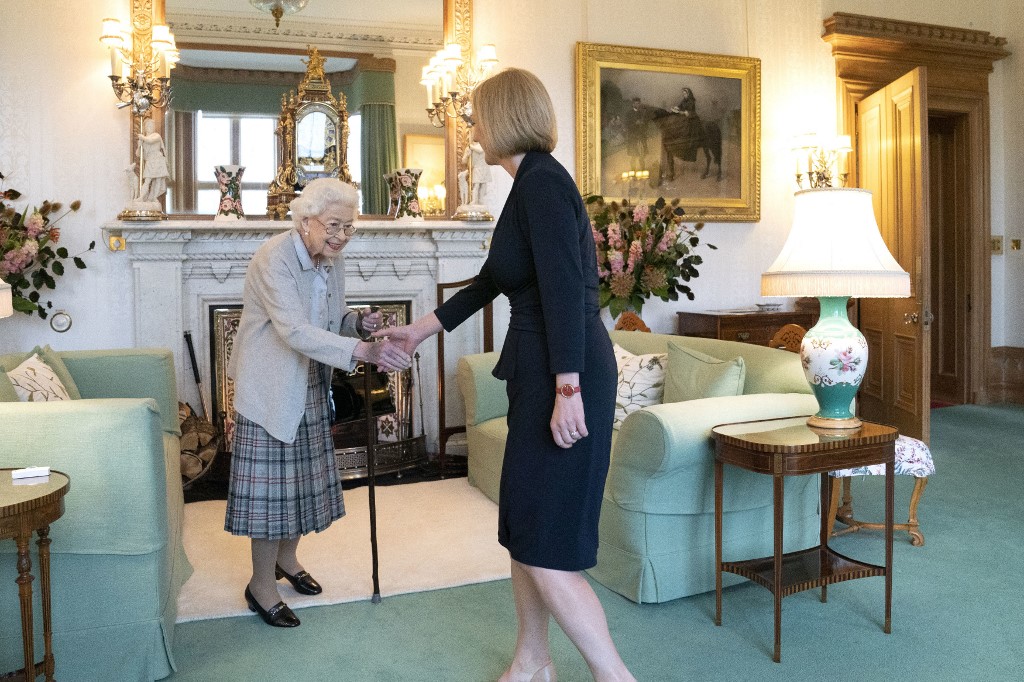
[372, 94]
[380, 154]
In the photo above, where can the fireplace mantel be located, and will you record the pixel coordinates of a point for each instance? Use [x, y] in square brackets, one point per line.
[180, 268]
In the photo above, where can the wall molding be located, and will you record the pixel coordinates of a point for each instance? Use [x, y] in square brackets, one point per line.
[1006, 375]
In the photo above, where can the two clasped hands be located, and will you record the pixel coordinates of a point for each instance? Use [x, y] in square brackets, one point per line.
[394, 353]
[568, 421]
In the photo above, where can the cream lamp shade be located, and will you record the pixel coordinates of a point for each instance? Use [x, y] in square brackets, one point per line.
[835, 251]
[6, 299]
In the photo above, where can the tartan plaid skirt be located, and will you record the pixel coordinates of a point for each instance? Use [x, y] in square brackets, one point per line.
[279, 490]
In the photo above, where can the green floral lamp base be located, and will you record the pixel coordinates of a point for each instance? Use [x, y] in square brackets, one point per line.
[835, 357]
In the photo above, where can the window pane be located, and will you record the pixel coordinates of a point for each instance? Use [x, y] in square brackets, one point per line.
[208, 200]
[257, 152]
[355, 147]
[254, 202]
[213, 142]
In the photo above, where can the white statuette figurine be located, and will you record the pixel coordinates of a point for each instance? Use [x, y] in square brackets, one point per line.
[473, 190]
[151, 182]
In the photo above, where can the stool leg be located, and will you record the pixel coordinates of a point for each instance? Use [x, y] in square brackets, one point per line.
[44, 583]
[916, 536]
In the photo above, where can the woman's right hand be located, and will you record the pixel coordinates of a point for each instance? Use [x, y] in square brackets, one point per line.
[411, 335]
[388, 356]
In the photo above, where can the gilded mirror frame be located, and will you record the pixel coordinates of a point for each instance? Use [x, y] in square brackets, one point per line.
[458, 27]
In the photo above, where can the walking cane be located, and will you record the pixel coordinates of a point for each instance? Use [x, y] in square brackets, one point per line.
[195, 374]
[371, 456]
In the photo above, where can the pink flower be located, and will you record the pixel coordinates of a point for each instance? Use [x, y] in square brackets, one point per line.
[54, 234]
[598, 237]
[34, 225]
[227, 204]
[414, 206]
[615, 261]
[405, 180]
[635, 255]
[667, 241]
[641, 212]
[614, 236]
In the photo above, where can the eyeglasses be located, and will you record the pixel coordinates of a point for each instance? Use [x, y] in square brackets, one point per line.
[335, 228]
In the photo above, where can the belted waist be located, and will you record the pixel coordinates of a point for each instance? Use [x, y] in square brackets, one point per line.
[532, 320]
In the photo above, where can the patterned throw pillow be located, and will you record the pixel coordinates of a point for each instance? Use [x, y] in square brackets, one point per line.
[35, 381]
[693, 375]
[641, 382]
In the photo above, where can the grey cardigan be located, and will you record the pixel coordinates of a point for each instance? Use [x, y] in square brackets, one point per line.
[275, 339]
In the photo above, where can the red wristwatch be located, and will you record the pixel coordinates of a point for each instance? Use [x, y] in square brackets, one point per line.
[567, 390]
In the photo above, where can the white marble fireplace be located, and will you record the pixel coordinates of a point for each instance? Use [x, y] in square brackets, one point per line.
[182, 268]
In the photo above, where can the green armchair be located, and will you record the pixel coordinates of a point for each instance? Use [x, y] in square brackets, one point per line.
[117, 558]
[657, 539]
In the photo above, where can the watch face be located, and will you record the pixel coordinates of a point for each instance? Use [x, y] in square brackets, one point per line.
[60, 322]
[566, 390]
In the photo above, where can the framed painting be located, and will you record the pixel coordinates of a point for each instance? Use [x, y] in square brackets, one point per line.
[426, 152]
[661, 123]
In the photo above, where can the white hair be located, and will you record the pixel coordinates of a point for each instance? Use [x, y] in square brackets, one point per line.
[321, 194]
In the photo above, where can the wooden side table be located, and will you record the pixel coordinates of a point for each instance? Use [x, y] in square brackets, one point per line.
[789, 447]
[24, 509]
[746, 326]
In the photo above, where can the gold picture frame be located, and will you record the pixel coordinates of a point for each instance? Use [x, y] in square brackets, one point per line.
[661, 123]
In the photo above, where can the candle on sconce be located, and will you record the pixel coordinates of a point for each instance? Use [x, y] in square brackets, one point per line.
[440, 192]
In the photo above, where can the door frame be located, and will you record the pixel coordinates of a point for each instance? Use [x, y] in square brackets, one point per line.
[870, 52]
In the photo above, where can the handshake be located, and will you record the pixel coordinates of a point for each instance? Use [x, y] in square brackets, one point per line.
[394, 352]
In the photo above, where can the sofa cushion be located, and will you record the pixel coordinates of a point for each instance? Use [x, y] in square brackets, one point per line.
[52, 360]
[35, 382]
[7, 392]
[641, 382]
[693, 375]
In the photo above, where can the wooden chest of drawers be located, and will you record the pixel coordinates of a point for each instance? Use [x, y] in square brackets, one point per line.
[748, 326]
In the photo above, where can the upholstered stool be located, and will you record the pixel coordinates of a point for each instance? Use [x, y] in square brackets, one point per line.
[913, 458]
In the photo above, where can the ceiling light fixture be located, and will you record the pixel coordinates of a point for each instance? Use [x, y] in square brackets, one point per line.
[278, 8]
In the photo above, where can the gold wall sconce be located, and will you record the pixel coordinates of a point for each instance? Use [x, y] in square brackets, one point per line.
[450, 79]
[141, 60]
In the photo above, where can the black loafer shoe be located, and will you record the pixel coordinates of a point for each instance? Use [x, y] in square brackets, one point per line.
[279, 615]
[302, 581]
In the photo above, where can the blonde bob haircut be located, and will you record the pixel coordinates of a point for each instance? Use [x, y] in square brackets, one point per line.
[515, 114]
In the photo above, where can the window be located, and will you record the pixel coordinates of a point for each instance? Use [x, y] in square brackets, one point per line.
[243, 140]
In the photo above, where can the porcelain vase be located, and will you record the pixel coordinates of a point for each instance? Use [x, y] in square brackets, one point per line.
[407, 182]
[229, 179]
[835, 357]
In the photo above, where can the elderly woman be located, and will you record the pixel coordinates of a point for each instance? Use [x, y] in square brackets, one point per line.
[560, 371]
[294, 328]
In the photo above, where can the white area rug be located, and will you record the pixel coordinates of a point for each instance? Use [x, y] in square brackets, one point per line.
[429, 536]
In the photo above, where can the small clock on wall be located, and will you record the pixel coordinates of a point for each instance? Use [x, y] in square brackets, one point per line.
[60, 322]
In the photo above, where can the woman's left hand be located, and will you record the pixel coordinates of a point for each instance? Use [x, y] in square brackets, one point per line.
[568, 424]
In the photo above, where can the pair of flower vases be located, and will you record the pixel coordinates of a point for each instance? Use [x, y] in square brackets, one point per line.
[403, 186]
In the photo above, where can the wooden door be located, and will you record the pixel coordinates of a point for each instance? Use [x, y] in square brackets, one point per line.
[951, 266]
[892, 136]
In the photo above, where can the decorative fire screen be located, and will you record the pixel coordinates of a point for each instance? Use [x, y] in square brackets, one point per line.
[390, 400]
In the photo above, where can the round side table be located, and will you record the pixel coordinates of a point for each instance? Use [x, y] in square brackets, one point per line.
[27, 507]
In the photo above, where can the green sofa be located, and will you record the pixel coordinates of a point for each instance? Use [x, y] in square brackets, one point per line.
[657, 532]
[117, 561]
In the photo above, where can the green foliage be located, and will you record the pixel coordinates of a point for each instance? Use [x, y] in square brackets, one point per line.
[28, 261]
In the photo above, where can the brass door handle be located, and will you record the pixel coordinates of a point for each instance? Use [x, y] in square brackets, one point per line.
[910, 318]
[742, 336]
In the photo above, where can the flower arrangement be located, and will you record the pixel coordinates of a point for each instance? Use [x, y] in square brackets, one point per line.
[643, 250]
[29, 261]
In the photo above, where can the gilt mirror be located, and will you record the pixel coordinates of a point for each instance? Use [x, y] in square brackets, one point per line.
[235, 66]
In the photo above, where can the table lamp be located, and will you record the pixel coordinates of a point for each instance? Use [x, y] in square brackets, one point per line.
[6, 299]
[835, 251]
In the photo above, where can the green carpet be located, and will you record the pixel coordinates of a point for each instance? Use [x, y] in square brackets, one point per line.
[957, 607]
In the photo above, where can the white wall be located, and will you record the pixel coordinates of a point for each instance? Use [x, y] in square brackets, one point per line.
[61, 136]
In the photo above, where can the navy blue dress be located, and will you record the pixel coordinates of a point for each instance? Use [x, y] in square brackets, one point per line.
[543, 258]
